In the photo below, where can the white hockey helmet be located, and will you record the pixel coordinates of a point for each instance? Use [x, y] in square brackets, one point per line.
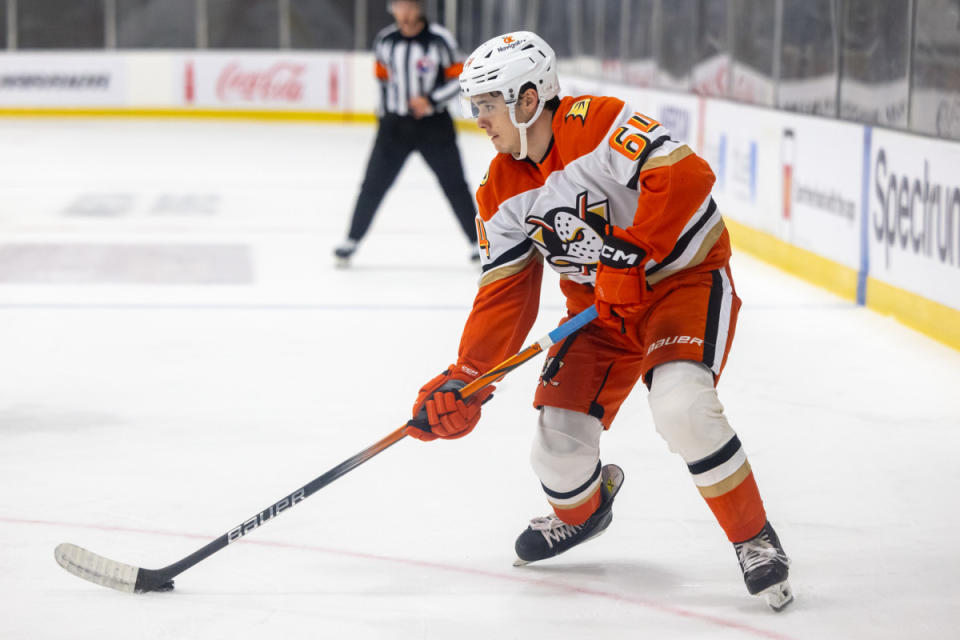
[506, 64]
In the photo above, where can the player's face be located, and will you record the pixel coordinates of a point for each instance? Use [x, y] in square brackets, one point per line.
[494, 118]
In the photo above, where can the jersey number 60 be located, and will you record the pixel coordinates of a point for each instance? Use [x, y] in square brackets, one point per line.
[632, 145]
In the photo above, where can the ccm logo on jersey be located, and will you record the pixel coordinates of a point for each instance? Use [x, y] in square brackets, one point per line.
[620, 254]
[663, 342]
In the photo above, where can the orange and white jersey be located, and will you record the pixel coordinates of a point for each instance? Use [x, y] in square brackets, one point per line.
[607, 165]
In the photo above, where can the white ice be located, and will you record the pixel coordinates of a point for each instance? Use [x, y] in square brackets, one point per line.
[141, 419]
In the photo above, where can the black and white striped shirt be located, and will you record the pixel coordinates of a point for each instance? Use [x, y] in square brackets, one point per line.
[425, 65]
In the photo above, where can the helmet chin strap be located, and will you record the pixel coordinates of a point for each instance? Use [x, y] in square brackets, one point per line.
[522, 127]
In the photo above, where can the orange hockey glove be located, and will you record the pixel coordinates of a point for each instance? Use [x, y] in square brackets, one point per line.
[440, 411]
[621, 285]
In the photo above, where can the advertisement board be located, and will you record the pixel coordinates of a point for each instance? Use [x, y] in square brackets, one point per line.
[244, 80]
[795, 177]
[58, 80]
[821, 175]
[914, 215]
[742, 145]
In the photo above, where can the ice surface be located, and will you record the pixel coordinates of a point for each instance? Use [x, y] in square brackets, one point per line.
[144, 415]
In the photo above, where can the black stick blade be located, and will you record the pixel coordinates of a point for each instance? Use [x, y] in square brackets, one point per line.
[97, 569]
[153, 580]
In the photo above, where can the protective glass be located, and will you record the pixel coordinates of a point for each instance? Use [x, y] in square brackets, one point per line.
[485, 105]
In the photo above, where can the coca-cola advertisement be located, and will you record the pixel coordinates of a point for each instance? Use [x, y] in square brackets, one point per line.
[282, 81]
[252, 81]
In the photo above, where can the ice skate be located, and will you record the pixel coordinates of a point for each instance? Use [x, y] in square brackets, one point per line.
[550, 536]
[765, 567]
[344, 251]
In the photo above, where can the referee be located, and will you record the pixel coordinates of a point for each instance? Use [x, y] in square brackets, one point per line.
[417, 68]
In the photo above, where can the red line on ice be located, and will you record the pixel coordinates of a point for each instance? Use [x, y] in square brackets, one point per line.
[563, 586]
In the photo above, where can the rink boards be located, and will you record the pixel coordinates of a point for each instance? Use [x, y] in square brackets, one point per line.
[871, 214]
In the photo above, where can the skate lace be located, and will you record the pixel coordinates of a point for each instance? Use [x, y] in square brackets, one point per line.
[553, 528]
[759, 551]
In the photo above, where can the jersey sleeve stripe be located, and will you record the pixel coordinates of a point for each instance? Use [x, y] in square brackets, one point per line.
[514, 253]
[491, 275]
[710, 238]
[687, 238]
[703, 248]
[668, 159]
[653, 146]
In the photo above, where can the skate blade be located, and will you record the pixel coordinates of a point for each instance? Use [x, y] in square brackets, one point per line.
[778, 596]
[520, 562]
[342, 263]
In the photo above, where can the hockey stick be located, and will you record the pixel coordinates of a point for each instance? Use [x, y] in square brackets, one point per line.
[125, 577]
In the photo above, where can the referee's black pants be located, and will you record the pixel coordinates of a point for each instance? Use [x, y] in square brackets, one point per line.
[434, 137]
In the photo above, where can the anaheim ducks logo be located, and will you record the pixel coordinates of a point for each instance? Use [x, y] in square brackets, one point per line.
[551, 367]
[579, 110]
[571, 237]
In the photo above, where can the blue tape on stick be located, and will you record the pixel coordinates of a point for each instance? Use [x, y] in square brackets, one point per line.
[573, 325]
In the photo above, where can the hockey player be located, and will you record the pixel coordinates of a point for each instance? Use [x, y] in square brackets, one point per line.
[606, 197]
[416, 67]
